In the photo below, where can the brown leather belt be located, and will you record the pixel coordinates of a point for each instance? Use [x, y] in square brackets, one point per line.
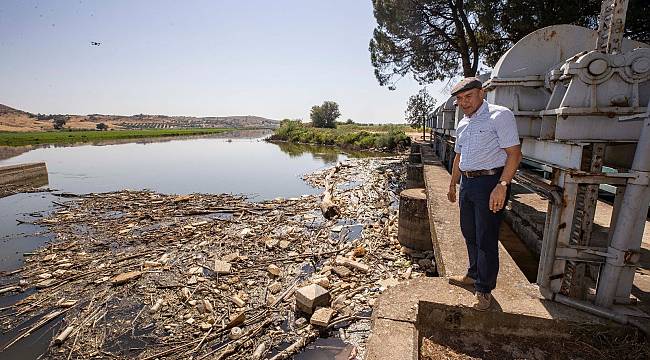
[477, 173]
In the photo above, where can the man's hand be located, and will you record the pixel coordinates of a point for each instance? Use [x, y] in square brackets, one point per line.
[451, 194]
[497, 198]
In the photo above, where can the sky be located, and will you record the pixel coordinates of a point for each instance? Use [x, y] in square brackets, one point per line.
[274, 59]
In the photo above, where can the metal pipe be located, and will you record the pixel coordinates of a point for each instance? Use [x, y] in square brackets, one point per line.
[592, 309]
[551, 227]
[630, 221]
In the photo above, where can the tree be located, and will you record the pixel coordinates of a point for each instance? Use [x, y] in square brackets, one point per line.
[427, 38]
[102, 126]
[438, 39]
[420, 107]
[324, 116]
[59, 121]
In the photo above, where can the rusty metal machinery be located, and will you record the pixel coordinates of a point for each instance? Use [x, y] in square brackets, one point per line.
[580, 98]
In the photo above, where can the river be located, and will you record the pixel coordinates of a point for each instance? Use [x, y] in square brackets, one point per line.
[238, 163]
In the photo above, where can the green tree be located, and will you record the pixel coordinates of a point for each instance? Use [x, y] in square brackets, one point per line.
[438, 39]
[324, 116]
[58, 121]
[427, 38]
[102, 126]
[420, 107]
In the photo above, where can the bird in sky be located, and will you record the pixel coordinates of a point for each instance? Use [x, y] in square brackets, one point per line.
[94, 43]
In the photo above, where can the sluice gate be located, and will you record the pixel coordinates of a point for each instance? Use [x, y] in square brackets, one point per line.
[580, 98]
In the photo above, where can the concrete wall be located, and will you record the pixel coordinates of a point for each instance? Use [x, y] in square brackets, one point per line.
[23, 174]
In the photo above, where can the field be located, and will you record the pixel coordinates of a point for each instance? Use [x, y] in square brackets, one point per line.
[353, 136]
[59, 137]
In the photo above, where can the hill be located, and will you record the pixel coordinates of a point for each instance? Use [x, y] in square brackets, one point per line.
[17, 120]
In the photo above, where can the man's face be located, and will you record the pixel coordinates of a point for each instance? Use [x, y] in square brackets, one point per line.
[470, 100]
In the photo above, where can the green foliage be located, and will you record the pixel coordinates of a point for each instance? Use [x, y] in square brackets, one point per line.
[57, 137]
[438, 39]
[101, 126]
[352, 136]
[58, 121]
[420, 107]
[324, 116]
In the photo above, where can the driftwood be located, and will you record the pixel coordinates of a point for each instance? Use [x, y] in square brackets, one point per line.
[296, 346]
[327, 206]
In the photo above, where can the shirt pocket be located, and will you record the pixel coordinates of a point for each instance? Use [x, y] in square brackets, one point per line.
[481, 137]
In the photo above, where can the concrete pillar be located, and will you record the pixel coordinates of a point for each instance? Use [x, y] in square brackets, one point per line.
[413, 231]
[414, 176]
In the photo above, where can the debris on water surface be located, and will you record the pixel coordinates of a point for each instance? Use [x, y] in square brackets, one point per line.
[143, 275]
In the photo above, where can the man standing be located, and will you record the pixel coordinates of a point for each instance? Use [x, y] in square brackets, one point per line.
[487, 156]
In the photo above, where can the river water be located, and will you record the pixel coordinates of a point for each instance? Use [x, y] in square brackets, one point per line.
[238, 163]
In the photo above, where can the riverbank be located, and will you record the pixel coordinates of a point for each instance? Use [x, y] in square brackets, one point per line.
[69, 137]
[347, 136]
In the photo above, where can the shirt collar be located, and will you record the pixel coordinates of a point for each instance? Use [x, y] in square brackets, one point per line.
[481, 110]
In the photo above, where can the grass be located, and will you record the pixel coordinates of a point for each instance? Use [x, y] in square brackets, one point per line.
[352, 136]
[76, 136]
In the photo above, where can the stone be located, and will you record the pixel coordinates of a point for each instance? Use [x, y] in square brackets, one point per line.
[386, 283]
[125, 277]
[352, 264]
[205, 326]
[322, 281]
[246, 232]
[284, 244]
[222, 267]
[322, 317]
[231, 257]
[309, 297]
[342, 271]
[238, 301]
[190, 321]
[237, 319]
[275, 287]
[300, 322]
[273, 270]
[270, 243]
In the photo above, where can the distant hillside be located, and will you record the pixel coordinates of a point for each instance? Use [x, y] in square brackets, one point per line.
[17, 120]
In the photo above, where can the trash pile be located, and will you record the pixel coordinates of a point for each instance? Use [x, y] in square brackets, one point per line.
[138, 274]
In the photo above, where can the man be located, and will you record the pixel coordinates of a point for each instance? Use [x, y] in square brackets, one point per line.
[487, 156]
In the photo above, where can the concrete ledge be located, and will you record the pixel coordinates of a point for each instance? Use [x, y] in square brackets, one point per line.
[394, 340]
[22, 174]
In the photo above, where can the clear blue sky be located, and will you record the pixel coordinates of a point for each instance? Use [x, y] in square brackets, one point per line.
[204, 58]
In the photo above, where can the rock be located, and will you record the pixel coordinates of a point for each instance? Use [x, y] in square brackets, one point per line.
[284, 244]
[236, 319]
[275, 287]
[231, 257]
[205, 326]
[342, 271]
[273, 270]
[270, 300]
[359, 251]
[386, 283]
[246, 232]
[337, 228]
[125, 277]
[300, 322]
[352, 264]
[310, 297]
[407, 273]
[222, 267]
[425, 263]
[270, 243]
[207, 306]
[186, 293]
[235, 333]
[45, 276]
[190, 321]
[260, 350]
[238, 301]
[322, 317]
[321, 280]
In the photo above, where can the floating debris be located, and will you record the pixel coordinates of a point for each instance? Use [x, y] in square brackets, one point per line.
[168, 279]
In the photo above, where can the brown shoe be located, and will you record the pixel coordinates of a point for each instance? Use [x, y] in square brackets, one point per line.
[483, 301]
[461, 280]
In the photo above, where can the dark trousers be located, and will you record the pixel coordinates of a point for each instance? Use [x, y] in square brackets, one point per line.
[480, 227]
